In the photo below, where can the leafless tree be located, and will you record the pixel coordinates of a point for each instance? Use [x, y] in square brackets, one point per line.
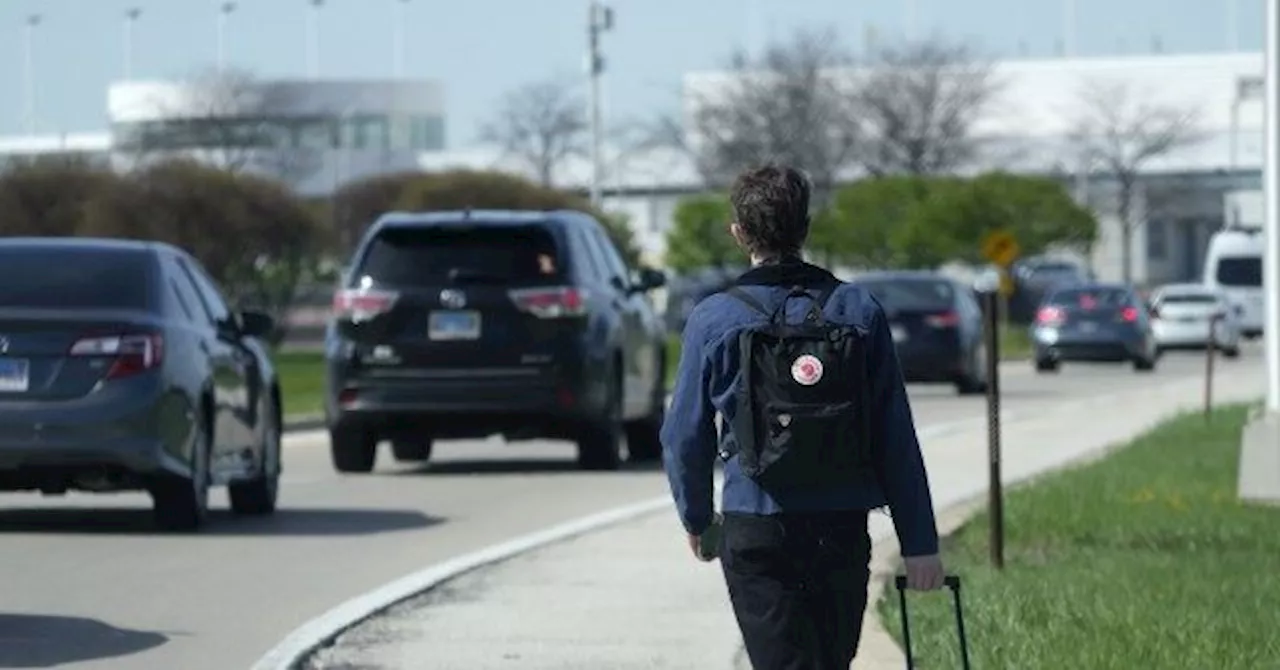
[541, 125]
[1122, 131]
[918, 104]
[791, 105]
[230, 120]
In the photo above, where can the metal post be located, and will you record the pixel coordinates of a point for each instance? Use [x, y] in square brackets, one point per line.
[1069, 28]
[995, 486]
[397, 39]
[130, 18]
[224, 13]
[1210, 349]
[600, 19]
[912, 19]
[1271, 194]
[313, 39]
[29, 72]
[1234, 155]
[1233, 25]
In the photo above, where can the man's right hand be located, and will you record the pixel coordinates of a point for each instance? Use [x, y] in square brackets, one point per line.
[924, 573]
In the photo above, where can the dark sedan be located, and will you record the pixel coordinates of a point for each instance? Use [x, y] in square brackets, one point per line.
[936, 325]
[123, 368]
[1095, 322]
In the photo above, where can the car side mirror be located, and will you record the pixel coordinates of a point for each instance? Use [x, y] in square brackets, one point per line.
[256, 324]
[649, 279]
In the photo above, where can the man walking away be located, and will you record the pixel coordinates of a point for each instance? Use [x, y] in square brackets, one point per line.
[817, 432]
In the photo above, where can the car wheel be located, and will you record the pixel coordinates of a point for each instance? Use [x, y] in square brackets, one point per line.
[1144, 364]
[414, 450]
[352, 449]
[599, 445]
[1046, 365]
[182, 503]
[258, 496]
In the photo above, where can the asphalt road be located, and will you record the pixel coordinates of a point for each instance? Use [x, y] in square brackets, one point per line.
[88, 584]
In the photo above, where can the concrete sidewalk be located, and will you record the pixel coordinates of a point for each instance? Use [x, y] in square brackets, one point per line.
[632, 597]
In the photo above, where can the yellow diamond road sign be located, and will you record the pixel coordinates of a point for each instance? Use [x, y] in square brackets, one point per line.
[1000, 248]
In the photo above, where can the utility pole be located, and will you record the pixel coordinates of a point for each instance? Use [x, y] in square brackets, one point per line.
[397, 39]
[130, 18]
[1069, 28]
[313, 39]
[600, 20]
[29, 72]
[224, 13]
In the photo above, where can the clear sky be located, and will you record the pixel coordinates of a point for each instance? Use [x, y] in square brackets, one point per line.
[481, 48]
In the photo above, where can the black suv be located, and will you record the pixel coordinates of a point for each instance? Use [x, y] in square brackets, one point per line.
[527, 324]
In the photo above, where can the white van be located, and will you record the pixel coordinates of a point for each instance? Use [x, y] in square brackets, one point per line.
[1233, 265]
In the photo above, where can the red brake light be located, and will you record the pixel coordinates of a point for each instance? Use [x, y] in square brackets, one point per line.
[943, 320]
[551, 303]
[132, 353]
[1049, 316]
[1130, 314]
[362, 304]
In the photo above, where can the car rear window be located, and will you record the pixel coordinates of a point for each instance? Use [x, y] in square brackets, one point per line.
[1091, 298]
[442, 255]
[1240, 271]
[911, 294]
[74, 278]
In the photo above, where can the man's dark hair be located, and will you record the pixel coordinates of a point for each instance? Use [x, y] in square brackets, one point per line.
[771, 204]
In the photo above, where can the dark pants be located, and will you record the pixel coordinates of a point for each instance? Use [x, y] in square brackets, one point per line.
[798, 583]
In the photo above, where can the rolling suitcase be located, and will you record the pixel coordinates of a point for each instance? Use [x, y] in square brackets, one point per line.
[953, 583]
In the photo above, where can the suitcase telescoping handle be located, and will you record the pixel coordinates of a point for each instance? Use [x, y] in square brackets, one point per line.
[952, 582]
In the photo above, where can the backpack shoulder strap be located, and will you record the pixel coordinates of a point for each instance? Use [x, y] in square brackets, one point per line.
[748, 300]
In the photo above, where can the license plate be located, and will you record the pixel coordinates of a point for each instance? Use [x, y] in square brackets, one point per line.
[899, 333]
[453, 325]
[14, 375]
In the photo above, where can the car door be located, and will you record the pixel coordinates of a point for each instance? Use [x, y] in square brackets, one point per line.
[638, 357]
[232, 366]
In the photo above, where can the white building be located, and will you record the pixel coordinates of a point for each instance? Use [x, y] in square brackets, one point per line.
[1031, 119]
[313, 134]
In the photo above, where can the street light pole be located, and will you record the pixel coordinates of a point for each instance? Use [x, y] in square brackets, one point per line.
[1271, 195]
[224, 13]
[28, 72]
[1233, 25]
[1069, 28]
[397, 39]
[313, 39]
[600, 20]
[130, 18]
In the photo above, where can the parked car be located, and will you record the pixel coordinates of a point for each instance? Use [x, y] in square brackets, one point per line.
[1097, 322]
[1193, 316]
[937, 327]
[527, 324]
[123, 368]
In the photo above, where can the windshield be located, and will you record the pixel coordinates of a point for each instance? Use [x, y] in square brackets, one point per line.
[74, 278]
[911, 294]
[1245, 271]
[443, 255]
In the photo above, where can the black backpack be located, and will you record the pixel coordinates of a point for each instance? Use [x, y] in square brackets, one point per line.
[803, 416]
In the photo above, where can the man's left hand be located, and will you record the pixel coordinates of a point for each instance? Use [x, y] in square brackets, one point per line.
[693, 546]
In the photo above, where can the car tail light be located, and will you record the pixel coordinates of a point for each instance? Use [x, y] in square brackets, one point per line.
[551, 303]
[1050, 316]
[132, 354]
[1129, 314]
[363, 304]
[943, 320]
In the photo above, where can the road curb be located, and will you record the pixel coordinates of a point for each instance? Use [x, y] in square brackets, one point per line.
[321, 631]
[299, 424]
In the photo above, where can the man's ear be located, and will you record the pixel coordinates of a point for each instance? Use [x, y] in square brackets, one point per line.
[735, 230]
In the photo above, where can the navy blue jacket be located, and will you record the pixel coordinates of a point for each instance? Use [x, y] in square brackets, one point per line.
[708, 378]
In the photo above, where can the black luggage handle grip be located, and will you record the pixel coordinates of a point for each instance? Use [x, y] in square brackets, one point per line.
[950, 581]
